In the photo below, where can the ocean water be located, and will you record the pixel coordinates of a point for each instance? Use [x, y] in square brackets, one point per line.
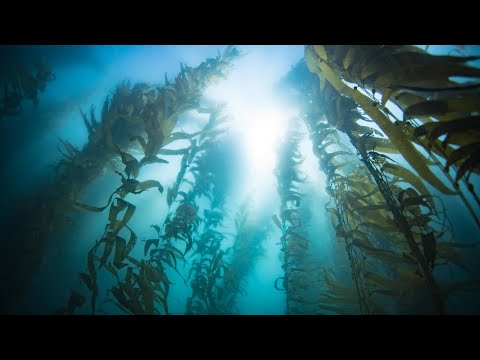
[243, 161]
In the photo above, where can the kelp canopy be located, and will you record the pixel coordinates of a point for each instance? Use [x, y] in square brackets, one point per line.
[378, 157]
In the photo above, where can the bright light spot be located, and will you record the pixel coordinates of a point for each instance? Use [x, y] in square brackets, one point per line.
[258, 118]
[264, 132]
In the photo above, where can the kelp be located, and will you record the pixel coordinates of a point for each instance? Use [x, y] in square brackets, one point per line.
[250, 232]
[392, 224]
[354, 211]
[297, 278]
[21, 81]
[420, 84]
[418, 212]
[147, 283]
[211, 293]
[143, 110]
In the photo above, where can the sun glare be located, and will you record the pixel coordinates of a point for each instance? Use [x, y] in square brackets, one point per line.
[264, 131]
[258, 117]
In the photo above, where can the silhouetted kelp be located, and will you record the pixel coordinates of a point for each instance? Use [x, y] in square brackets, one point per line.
[19, 82]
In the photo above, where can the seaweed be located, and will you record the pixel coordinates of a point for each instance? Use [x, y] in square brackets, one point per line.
[131, 112]
[413, 213]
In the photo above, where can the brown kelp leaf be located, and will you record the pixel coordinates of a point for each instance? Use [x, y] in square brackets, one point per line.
[142, 142]
[217, 260]
[109, 241]
[152, 160]
[131, 164]
[386, 282]
[330, 156]
[439, 107]
[436, 129]
[119, 256]
[157, 229]
[111, 269]
[407, 176]
[91, 265]
[371, 208]
[189, 244]
[131, 243]
[350, 57]
[85, 278]
[148, 295]
[169, 196]
[118, 225]
[145, 185]
[134, 261]
[408, 276]
[149, 243]
[380, 254]
[115, 209]
[123, 302]
[394, 133]
[163, 301]
[154, 275]
[418, 200]
[321, 52]
[463, 152]
[75, 300]
[426, 108]
[429, 248]
[378, 144]
[460, 139]
[93, 208]
[169, 257]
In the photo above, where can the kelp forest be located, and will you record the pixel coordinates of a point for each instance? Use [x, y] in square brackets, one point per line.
[343, 180]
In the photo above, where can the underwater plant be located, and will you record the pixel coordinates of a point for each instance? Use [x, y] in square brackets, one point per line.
[421, 85]
[392, 130]
[145, 282]
[19, 81]
[294, 244]
[142, 116]
[208, 268]
[243, 255]
[411, 219]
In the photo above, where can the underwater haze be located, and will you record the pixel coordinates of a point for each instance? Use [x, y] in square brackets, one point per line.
[240, 180]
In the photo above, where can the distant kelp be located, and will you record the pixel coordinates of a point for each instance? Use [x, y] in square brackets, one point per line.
[297, 280]
[20, 82]
[249, 236]
[208, 267]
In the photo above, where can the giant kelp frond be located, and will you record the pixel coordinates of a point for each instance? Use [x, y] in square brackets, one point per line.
[18, 82]
[415, 215]
[422, 85]
[250, 233]
[298, 267]
[145, 282]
